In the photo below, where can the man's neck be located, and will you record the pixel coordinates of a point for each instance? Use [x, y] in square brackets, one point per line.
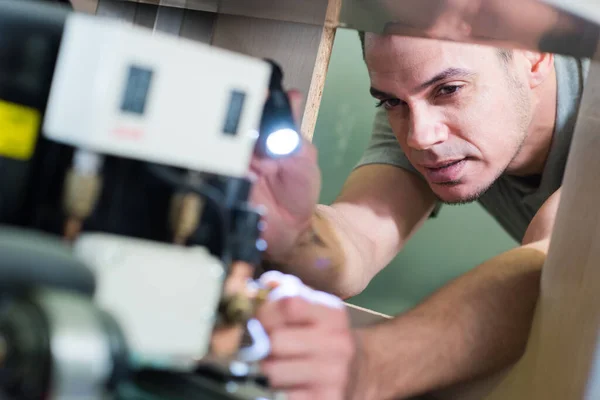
[534, 151]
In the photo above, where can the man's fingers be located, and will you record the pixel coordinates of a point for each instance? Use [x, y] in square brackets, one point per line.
[300, 394]
[298, 311]
[305, 342]
[295, 97]
[298, 373]
[308, 151]
[311, 394]
[269, 316]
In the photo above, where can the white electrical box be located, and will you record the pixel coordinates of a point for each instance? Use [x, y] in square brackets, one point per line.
[126, 91]
[164, 297]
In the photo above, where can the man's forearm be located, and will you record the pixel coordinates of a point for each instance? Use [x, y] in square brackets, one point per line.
[474, 326]
[326, 256]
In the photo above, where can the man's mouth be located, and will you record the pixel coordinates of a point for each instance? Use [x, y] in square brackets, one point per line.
[442, 164]
[445, 171]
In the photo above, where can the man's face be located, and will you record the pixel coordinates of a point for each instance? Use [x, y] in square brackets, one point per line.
[458, 111]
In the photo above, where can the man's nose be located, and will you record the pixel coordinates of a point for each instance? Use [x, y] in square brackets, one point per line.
[426, 130]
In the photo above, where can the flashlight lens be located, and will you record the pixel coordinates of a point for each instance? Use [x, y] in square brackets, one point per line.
[283, 142]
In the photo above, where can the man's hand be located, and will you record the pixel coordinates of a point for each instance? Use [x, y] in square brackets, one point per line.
[312, 346]
[289, 190]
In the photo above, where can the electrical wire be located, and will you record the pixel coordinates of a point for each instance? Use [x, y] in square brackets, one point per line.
[210, 193]
[261, 345]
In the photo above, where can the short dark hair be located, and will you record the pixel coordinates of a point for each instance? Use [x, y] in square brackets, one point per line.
[505, 55]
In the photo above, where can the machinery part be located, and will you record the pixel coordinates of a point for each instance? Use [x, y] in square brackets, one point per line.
[69, 56]
[135, 116]
[206, 384]
[186, 209]
[164, 297]
[26, 363]
[170, 176]
[36, 259]
[60, 346]
[278, 135]
[82, 189]
[260, 347]
[236, 308]
[31, 32]
[247, 226]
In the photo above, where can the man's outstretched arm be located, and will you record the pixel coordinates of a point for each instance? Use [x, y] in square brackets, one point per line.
[476, 325]
[348, 243]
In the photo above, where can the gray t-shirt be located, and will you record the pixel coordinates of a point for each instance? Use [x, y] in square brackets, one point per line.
[511, 200]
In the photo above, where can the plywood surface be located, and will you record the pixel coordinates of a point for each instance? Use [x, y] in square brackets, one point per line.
[563, 351]
[569, 303]
[198, 26]
[293, 45]
[304, 11]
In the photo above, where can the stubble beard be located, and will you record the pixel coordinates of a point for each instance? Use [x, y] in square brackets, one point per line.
[522, 107]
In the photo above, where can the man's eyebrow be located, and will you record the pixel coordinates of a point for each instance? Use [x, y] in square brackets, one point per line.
[380, 94]
[449, 73]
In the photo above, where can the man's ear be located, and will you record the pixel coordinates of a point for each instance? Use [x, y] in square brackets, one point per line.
[539, 67]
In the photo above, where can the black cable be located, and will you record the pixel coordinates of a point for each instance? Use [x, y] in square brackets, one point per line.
[210, 193]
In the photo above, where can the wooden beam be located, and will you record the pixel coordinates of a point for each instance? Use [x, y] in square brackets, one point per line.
[562, 356]
[317, 82]
[361, 317]
[568, 336]
[305, 11]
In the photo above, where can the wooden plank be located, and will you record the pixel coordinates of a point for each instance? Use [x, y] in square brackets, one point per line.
[293, 45]
[89, 6]
[168, 20]
[561, 361]
[360, 317]
[145, 15]
[569, 309]
[529, 24]
[197, 5]
[315, 93]
[305, 11]
[198, 26]
[189, 24]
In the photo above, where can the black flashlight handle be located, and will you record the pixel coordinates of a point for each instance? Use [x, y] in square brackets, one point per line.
[277, 112]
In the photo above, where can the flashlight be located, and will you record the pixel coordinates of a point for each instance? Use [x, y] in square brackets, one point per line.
[278, 135]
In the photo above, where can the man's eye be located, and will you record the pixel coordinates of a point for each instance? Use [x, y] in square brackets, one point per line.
[448, 90]
[389, 103]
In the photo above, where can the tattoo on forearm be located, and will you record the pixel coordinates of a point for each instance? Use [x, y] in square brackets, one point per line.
[317, 247]
[311, 238]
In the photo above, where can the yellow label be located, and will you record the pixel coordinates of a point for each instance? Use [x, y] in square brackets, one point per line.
[19, 126]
